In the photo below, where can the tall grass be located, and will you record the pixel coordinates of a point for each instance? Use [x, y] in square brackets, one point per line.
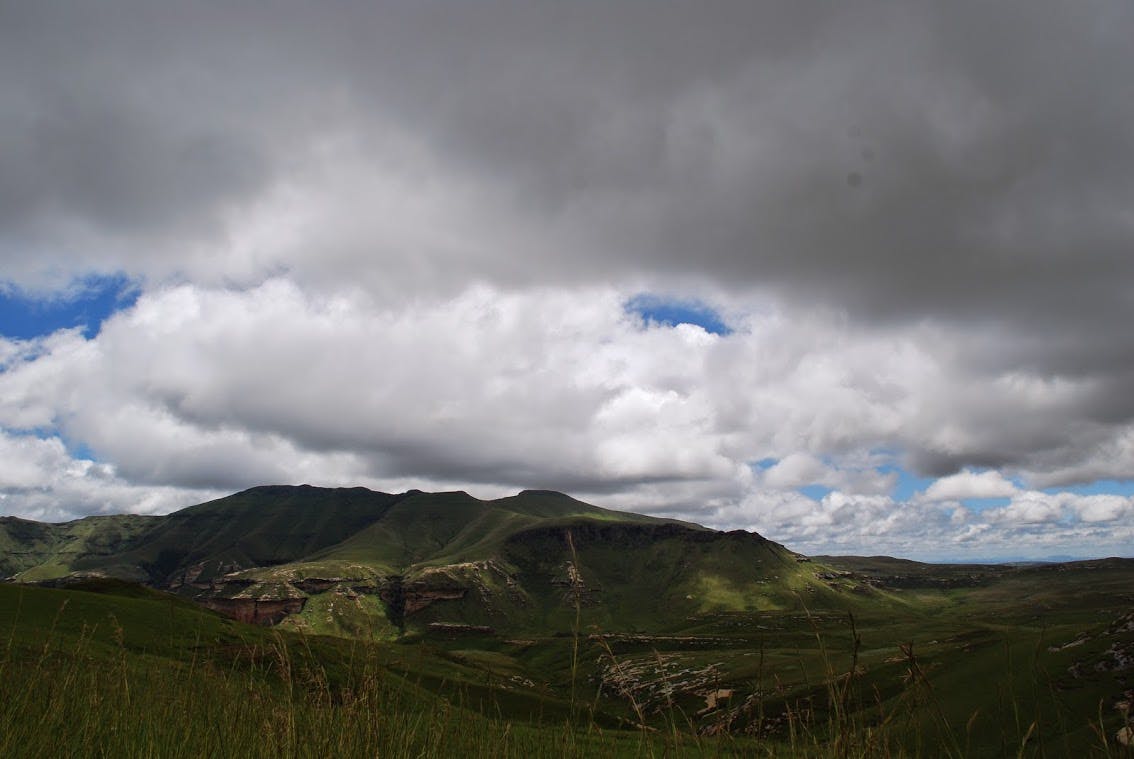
[277, 696]
[80, 703]
[284, 695]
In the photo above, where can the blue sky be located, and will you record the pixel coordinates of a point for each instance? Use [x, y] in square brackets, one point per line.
[368, 250]
[668, 311]
[84, 305]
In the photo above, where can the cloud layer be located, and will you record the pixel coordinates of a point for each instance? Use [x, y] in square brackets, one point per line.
[219, 389]
[394, 244]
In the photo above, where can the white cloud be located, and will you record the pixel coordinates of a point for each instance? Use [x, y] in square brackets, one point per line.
[544, 388]
[1034, 525]
[1104, 508]
[40, 479]
[802, 469]
[795, 470]
[199, 389]
[1031, 508]
[969, 484]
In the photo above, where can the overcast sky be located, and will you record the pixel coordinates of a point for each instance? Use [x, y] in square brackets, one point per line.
[857, 276]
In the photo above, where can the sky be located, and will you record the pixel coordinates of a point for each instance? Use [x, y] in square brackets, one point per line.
[856, 276]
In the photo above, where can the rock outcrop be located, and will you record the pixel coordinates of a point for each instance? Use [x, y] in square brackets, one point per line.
[257, 611]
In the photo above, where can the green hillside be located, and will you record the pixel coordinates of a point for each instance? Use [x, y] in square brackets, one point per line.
[448, 528]
[263, 526]
[351, 561]
[107, 668]
[111, 669]
[31, 551]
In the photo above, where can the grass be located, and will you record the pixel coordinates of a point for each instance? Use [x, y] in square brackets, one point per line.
[35, 551]
[79, 683]
[129, 672]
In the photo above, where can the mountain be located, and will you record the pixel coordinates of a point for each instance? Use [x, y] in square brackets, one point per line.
[357, 562]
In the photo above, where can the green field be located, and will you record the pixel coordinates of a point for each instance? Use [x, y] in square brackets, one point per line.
[118, 670]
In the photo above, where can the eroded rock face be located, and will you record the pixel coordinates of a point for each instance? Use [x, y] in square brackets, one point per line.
[257, 611]
[316, 584]
[417, 599]
[404, 599]
[454, 629]
[269, 603]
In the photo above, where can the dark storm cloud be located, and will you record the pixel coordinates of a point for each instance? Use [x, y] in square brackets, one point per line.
[952, 157]
[92, 135]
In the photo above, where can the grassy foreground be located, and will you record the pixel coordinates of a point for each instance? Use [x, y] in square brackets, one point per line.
[98, 674]
[126, 672]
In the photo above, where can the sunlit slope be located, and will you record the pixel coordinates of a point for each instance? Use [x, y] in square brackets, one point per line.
[31, 551]
[579, 571]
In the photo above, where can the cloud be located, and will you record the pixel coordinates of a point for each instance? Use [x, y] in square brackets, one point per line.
[688, 141]
[1034, 525]
[403, 150]
[197, 384]
[969, 485]
[40, 479]
[395, 244]
[799, 470]
[211, 390]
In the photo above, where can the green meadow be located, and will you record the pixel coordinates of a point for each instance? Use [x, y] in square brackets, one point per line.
[1028, 666]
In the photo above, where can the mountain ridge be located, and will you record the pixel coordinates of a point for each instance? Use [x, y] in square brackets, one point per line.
[345, 560]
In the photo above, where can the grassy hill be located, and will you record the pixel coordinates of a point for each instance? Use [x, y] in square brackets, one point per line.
[109, 668]
[31, 551]
[352, 561]
[112, 669]
[263, 526]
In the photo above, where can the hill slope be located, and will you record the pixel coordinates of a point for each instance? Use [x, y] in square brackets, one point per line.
[31, 551]
[357, 562]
